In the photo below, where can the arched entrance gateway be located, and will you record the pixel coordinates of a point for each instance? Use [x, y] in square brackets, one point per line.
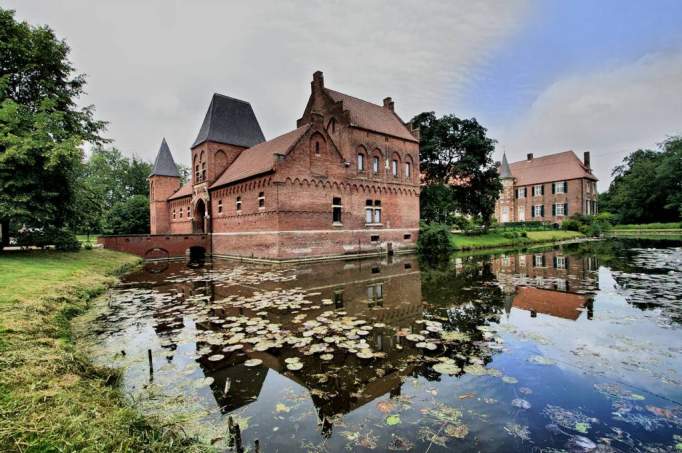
[200, 220]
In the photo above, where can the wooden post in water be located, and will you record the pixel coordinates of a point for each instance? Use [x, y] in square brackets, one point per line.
[151, 364]
[230, 430]
[256, 445]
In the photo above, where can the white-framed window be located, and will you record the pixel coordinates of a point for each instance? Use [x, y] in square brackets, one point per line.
[537, 190]
[239, 203]
[561, 284]
[538, 210]
[373, 211]
[559, 187]
[361, 162]
[560, 262]
[521, 192]
[408, 170]
[375, 165]
[522, 214]
[559, 209]
[522, 260]
[336, 210]
[394, 168]
[539, 260]
[261, 199]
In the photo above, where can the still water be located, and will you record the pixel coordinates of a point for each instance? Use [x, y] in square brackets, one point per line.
[568, 349]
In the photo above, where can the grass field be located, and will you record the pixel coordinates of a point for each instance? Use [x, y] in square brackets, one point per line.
[495, 239]
[51, 397]
[650, 226]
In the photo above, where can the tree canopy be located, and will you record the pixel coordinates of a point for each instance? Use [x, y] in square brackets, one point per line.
[41, 126]
[456, 155]
[647, 186]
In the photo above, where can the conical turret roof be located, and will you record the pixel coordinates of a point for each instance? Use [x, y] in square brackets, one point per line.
[164, 164]
[505, 171]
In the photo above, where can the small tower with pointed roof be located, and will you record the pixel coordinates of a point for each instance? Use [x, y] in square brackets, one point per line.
[230, 126]
[505, 206]
[164, 181]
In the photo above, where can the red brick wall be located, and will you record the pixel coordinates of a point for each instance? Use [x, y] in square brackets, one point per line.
[160, 188]
[156, 246]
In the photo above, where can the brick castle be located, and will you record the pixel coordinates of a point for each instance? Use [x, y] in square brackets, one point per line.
[344, 182]
[548, 189]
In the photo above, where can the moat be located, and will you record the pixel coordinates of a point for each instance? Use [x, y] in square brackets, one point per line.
[576, 348]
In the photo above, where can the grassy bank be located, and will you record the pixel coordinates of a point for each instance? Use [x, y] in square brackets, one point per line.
[495, 239]
[648, 230]
[51, 397]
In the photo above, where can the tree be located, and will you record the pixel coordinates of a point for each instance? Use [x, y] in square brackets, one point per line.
[647, 186]
[457, 153]
[130, 216]
[41, 126]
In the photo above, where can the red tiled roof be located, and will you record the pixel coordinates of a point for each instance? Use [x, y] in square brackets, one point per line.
[260, 158]
[553, 167]
[371, 116]
[554, 303]
[183, 191]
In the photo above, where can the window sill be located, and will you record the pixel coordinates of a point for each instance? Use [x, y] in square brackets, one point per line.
[379, 225]
[337, 224]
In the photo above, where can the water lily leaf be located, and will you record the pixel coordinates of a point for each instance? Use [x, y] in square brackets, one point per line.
[582, 427]
[392, 420]
[457, 431]
[280, 407]
[509, 380]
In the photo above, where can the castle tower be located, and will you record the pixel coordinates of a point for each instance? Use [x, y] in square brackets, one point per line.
[230, 126]
[164, 181]
[506, 205]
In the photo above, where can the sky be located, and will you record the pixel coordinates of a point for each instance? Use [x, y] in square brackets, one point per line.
[543, 76]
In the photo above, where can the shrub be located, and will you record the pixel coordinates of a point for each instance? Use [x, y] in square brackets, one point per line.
[434, 241]
[62, 239]
[66, 241]
[589, 225]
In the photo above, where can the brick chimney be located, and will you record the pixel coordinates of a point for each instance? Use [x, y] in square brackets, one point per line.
[318, 81]
[586, 159]
[389, 104]
[529, 156]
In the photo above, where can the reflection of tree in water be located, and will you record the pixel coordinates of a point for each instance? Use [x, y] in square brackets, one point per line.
[645, 271]
[462, 294]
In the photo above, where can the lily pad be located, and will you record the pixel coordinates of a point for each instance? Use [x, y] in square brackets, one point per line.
[457, 431]
[392, 420]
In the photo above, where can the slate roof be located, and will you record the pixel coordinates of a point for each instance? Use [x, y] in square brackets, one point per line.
[164, 164]
[553, 167]
[183, 191]
[230, 121]
[371, 116]
[260, 158]
[505, 171]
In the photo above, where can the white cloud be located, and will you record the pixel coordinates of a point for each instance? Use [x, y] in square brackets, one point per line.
[153, 65]
[610, 113]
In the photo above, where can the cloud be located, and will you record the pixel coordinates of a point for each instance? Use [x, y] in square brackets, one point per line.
[153, 65]
[611, 113]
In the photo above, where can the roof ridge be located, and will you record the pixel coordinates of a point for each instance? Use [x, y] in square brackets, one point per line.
[231, 98]
[355, 97]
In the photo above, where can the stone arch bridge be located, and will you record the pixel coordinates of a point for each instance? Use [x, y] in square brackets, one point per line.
[159, 246]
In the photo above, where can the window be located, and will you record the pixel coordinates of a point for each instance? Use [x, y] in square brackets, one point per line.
[373, 212]
[375, 292]
[560, 262]
[196, 173]
[522, 214]
[261, 199]
[239, 203]
[361, 162]
[538, 210]
[559, 187]
[538, 190]
[336, 210]
[561, 284]
[203, 171]
[394, 168]
[173, 213]
[188, 213]
[539, 260]
[407, 237]
[521, 192]
[375, 165]
[408, 170]
[522, 260]
[374, 238]
[559, 210]
[220, 206]
[317, 148]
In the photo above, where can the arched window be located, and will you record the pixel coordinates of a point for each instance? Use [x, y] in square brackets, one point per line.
[394, 168]
[376, 163]
[361, 161]
[317, 143]
[408, 169]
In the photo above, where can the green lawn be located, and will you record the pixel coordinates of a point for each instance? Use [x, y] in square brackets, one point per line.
[497, 239]
[51, 397]
[650, 226]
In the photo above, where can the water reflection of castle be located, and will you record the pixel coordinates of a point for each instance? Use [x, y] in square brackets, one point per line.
[547, 282]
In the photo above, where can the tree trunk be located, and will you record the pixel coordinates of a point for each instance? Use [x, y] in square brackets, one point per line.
[4, 233]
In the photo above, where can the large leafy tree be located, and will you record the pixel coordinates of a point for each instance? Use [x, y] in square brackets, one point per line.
[457, 153]
[41, 126]
[647, 186]
[130, 216]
